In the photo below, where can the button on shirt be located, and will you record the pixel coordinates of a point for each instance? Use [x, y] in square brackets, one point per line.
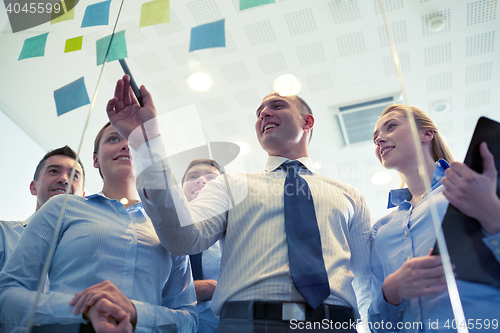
[406, 233]
[99, 240]
[254, 263]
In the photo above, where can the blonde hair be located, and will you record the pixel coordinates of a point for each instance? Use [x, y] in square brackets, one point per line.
[439, 148]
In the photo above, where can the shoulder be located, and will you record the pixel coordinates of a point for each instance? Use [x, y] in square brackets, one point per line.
[9, 227]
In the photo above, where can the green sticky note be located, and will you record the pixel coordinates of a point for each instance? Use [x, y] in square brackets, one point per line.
[34, 47]
[245, 4]
[73, 44]
[71, 96]
[207, 36]
[155, 12]
[118, 49]
[64, 14]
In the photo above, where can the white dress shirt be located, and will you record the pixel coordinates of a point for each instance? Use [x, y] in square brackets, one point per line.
[254, 263]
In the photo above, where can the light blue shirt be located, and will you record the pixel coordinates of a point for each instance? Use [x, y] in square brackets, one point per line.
[99, 240]
[210, 263]
[406, 233]
[10, 231]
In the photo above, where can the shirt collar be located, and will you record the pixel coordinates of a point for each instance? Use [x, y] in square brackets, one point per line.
[401, 195]
[102, 195]
[273, 162]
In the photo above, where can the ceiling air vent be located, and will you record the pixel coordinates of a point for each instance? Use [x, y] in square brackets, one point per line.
[357, 121]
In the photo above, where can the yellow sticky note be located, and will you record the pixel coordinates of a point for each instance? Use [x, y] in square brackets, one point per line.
[68, 15]
[73, 44]
[155, 12]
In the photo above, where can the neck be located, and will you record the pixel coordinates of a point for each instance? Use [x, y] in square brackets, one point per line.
[121, 189]
[415, 183]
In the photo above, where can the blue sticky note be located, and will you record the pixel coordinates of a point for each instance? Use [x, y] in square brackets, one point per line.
[245, 4]
[96, 14]
[71, 96]
[117, 51]
[207, 36]
[34, 47]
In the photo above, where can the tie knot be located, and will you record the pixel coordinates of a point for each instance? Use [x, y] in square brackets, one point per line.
[296, 165]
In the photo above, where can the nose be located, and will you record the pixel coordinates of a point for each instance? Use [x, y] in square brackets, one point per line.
[201, 180]
[379, 140]
[125, 145]
[265, 113]
[63, 178]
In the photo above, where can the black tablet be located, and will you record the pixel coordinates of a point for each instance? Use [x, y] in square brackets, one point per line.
[474, 261]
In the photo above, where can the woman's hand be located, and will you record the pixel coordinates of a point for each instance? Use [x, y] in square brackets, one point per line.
[125, 113]
[107, 317]
[417, 277]
[85, 300]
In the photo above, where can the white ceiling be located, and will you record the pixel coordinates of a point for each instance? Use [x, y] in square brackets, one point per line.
[337, 48]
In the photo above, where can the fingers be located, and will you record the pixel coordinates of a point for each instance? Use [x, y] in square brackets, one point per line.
[146, 96]
[127, 90]
[110, 308]
[488, 161]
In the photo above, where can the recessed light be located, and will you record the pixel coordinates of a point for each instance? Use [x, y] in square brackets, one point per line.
[200, 81]
[287, 85]
[441, 106]
[244, 147]
[381, 178]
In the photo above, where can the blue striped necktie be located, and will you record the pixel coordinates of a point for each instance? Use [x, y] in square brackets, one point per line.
[305, 256]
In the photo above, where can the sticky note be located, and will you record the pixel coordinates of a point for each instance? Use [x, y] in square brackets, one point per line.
[34, 47]
[207, 36]
[155, 12]
[71, 96]
[64, 14]
[96, 14]
[118, 49]
[73, 44]
[245, 4]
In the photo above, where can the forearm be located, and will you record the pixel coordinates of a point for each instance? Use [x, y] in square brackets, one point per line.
[16, 305]
[158, 318]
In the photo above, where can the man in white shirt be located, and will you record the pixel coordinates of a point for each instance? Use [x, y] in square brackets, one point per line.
[255, 291]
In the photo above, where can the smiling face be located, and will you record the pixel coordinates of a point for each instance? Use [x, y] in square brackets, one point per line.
[113, 156]
[281, 126]
[196, 178]
[54, 178]
[394, 145]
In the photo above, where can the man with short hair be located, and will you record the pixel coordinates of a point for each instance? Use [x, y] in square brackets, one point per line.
[269, 281]
[51, 178]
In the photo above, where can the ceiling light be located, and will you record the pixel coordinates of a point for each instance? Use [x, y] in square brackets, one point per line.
[317, 165]
[441, 107]
[244, 147]
[436, 23]
[381, 178]
[200, 81]
[287, 85]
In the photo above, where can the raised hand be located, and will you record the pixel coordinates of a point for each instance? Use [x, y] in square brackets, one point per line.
[417, 277]
[84, 300]
[125, 113]
[474, 194]
[107, 317]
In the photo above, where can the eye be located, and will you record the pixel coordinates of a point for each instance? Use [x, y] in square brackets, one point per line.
[278, 107]
[390, 127]
[113, 139]
[54, 171]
